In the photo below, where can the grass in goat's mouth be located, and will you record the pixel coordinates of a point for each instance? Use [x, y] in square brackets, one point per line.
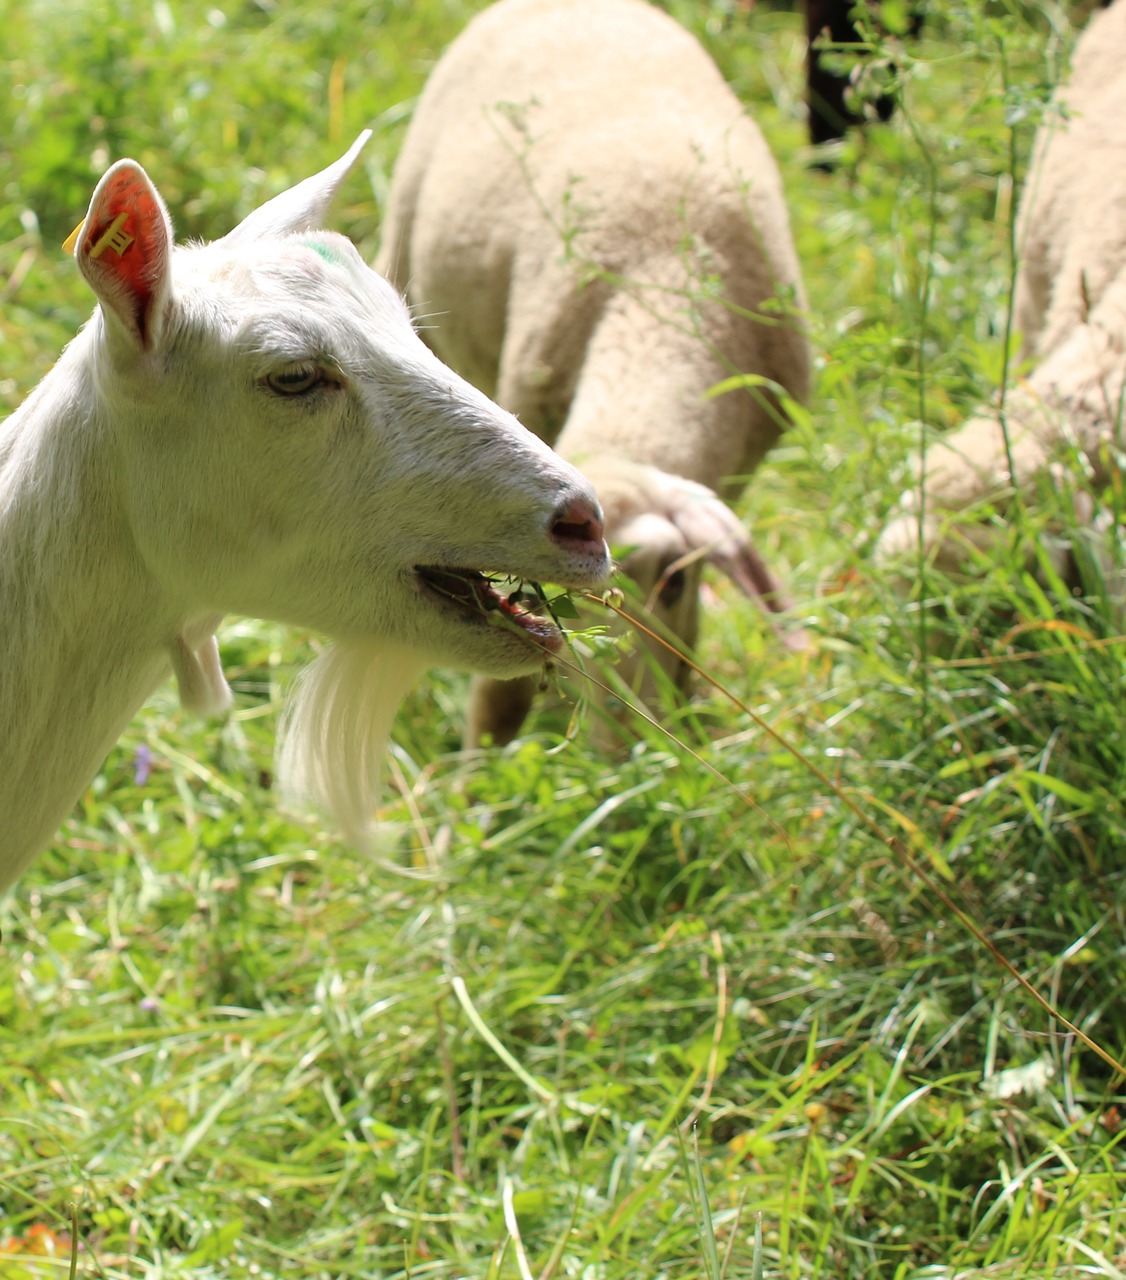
[479, 593]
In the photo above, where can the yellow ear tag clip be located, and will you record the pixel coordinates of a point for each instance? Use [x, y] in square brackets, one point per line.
[72, 239]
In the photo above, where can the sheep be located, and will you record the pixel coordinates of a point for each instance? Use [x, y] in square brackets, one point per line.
[598, 236]
[254, 426]
[1069, 304]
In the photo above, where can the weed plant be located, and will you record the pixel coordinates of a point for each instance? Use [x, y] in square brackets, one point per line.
[650, 1017]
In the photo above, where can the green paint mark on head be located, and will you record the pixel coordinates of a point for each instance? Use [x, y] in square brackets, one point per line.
[325, 252]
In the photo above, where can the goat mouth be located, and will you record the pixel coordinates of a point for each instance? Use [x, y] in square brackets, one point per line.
[480, 598]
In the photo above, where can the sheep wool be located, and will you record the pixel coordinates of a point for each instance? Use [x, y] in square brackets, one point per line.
[1069, 304]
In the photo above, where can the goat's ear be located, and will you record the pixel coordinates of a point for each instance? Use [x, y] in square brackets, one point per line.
[124, 249]
[301, 208]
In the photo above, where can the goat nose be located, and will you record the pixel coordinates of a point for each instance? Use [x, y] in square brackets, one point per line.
[577, 526]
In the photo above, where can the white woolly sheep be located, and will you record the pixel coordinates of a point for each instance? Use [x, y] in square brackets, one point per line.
[254, 426]
[1070, 305]
[597, 235]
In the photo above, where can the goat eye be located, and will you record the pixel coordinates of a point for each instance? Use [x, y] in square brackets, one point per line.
[672, 588]
[294, 382]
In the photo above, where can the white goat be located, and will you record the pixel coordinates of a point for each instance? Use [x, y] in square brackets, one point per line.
[599, 236]
[1070, 305]
[253, 426]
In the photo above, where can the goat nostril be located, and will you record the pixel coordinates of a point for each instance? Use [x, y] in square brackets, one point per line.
[579, 522]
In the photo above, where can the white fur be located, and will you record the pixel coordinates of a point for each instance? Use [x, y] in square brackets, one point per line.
[337, 725]
[1070, 305]
[595, 231]
[161, 476]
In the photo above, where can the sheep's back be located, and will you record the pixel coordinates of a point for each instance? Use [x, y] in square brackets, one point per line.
[562, 145]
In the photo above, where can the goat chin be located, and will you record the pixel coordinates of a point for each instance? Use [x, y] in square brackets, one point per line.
[336, 726]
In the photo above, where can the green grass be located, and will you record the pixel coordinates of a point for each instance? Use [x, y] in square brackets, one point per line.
[587, 1017]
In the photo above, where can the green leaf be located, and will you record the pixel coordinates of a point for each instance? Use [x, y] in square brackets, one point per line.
[563, 606]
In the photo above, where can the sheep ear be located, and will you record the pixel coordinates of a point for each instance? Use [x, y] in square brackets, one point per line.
[710, 526]
[301, 208]
[747, 569]
[124, 248]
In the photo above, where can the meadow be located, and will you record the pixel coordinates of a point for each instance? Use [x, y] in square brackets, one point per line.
[831, 983]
